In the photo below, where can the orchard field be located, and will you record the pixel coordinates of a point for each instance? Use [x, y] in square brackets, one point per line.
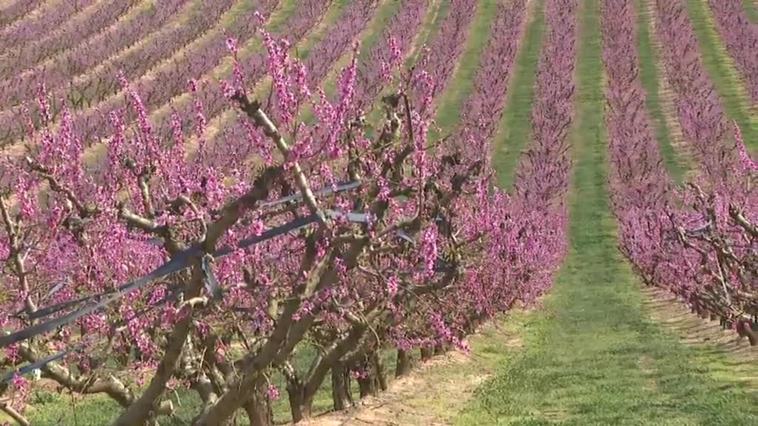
[382, 212]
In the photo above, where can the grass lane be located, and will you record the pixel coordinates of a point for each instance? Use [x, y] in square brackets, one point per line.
[373, 32]
[650, 78]
[430, 27]
[456, 92]
[515, 125]
[591, 354]
[751, 9]
[367, 39]
[429, 32]
[721, 70]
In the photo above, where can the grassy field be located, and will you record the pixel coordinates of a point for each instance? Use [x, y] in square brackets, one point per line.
[751, 8]
[651, 81]
[591, 354]
[721, 70]
[451, 101]
[515, 126]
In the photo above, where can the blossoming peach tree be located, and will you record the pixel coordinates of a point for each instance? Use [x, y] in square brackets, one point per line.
[140, 268]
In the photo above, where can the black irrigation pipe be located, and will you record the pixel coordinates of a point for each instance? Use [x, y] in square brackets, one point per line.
[49, 310]
[28, 368]
[209, 280]
[39, 364]
[179, 262]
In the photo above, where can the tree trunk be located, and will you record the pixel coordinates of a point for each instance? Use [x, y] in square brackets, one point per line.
[404, 363]
[300, 408]
[745, 329]
[341, 395]
[371, 382]
[426, 354]
[143, 409]
[440, 349]
[381, 371]
[15, 415]
[282, 340]
[367, 385]
[258, 409]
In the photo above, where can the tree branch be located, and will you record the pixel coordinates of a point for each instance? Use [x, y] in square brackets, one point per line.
[15, 415]
[260, 119]
[60, 188]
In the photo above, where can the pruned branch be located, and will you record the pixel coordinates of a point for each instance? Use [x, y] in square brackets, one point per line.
[260, 119]
[15, 415]
[58, 187]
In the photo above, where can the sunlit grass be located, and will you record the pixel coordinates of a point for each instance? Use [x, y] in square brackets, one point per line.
[515, 129]
[592, 356]
[462, 82]
[650, 80]
[751, 9]
[721, 70]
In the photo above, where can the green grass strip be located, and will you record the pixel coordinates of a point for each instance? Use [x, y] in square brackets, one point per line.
[278, 19]
[516, 125]
[650, 81]
[373, 33]
[379, 21]
[334, 12]
[592, 356]
[724, 75]
[429, 31]
[751, 9]
[436, 14]
[462, 82]
[371, 36]
[276, 23]
[280, 16]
